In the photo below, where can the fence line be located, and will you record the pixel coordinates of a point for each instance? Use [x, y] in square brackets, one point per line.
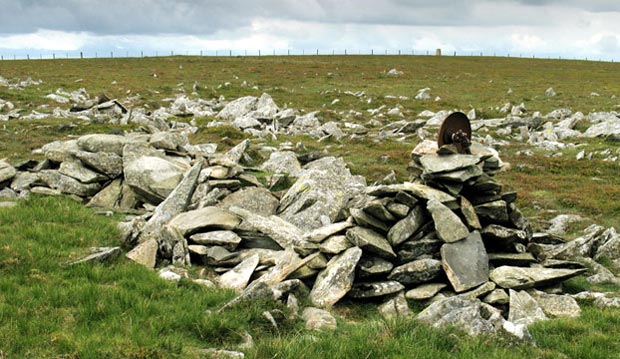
[276, 52]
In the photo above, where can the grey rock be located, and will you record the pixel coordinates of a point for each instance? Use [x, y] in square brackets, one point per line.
[319, 234]
[371, 241]
[45, 191]
[415, 189]
[286, 234]
[558, 225]
[286, 264]
[414, 249]
[265, 109]
[233, 156]
[407, 226]
[332, 129]
[238, 108]
[168, 140]
[468, 315]
[153, 178]
[222, 354]
[108, 197]
[318, 319]
[493, 212]
[335, 245]
[447, 163]
[377, 209]
[174, 205]
[497, 296]
[372, 267]
[449, 226]
[74, 168]
[245, 122]
[100, 255]
[23, 181]
[284, 162]
[416, 272]
[204, 218]
[366, 220]
[396, 307]
[374, 289]
[336, 280]
[320, 193]
[524, 309]
[479, 291]
[239, 277]
[610, 249]
[68, 185]
[253, 199]
[103, 143]
[513, 259]
[557, 306]
[425, 291]
[399, 210]
[144, 253]
[522, 278]
[7, 171]
[469, 213]
[58, 151]
[465, 262]
[107, 163]
[495, 235]
[227, 239]
[304, 124]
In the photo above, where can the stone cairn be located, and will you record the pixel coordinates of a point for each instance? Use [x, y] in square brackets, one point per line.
[450, 238]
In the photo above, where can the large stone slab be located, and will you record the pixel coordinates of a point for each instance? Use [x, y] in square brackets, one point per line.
[238, 108]
[144, 253]
[74, 168]
[336, 280]
[286, 234]
[448, 225]
[191, 222]
[282, 162]
[556, 305]
[239, 277]
[58, 151]
[416, 272]
[320, 193]
[425, 291]
[375, 289]
[407, 226]
[466, 262]
[522, 278]
[227, 239]
[68, 185]
[417, 189]
[433, 163]
[371, 241]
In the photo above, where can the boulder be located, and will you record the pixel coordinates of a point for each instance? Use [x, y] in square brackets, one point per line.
[58, 151]
[396, 307]
[107, 163]
[74, 168]
[557, 306]
[153, 178]
[233, 156]
[284, 162]
[238, 108]
[7, 171]
[465, 262]
[524, 309]
[103, 143]
[69, 185]
[144, 253]
[336, 279]
[168, 140]
[320, 193]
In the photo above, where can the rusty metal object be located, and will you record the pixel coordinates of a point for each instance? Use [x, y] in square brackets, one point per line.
[456, 130]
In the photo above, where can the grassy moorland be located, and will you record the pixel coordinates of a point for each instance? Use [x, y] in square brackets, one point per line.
[120, 310]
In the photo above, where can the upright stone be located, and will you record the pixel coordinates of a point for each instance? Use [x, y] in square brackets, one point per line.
[336, 280]
[239, 277]
[465, 262]
[448, 225]
[407, 226]
[371, 241]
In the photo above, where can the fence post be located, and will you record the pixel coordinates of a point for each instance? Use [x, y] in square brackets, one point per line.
[288, 51]
[81, 55]
[259, 52]
[317, 51]
[229, 52]
[171, 53]
[372, 51]
[111, 54]
[54, 56]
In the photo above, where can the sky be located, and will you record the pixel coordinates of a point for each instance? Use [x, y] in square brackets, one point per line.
[547, 28]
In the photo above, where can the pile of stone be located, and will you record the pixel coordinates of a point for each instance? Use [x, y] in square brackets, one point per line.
[451, 238]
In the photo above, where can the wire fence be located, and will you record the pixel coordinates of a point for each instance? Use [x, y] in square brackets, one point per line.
[274, 52]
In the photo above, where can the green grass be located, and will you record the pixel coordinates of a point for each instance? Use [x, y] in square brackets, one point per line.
[121, 310]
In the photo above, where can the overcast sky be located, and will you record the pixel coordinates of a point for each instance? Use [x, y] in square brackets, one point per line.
[546, 28]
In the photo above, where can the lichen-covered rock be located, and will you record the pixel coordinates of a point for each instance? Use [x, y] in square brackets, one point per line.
[336, 279]
[466, 262]
[449, 226]
[153, 178]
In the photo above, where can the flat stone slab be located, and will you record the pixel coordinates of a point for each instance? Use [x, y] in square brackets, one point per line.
[449, 226]
[433, 163]
[407, 226]
[425, 291]
[239, 277]
[204, 218]
[336, 280]
[375, 289]
[228, 239]
[522, 278]
[371, 266]
[466, 262]
[416, 272]
[371, 241]
[524, 309]
[416, 189]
